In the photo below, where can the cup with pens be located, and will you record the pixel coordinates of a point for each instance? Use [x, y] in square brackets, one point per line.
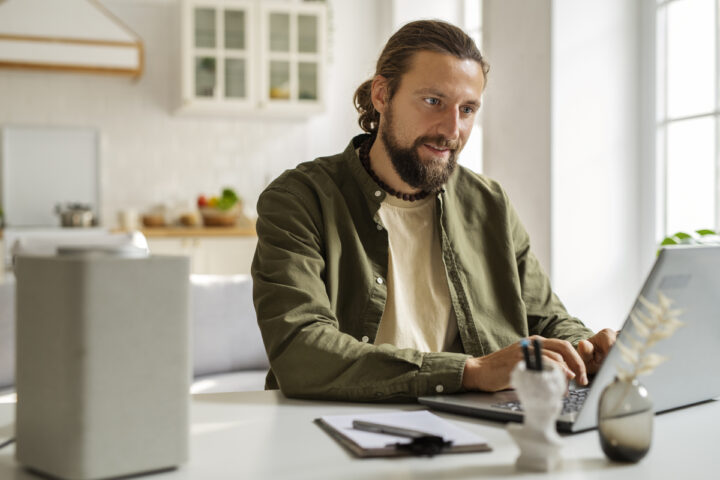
[540, 387]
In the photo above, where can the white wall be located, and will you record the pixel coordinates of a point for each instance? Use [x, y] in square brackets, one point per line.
[516, 110]
[596, 157]
[561, 122]
[149, 155]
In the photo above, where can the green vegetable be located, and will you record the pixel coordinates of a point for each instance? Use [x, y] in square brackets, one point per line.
[228, 199]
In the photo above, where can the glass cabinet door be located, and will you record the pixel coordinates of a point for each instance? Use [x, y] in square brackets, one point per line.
[307, 33]
[236, 71]
[204, 40]
[308, 69]
[308, 81]
[235, 78]
[279, 32]
[205, 78]
[293, 55]
[253, 56]
[204, 32]
[235, 29]
[221, 42]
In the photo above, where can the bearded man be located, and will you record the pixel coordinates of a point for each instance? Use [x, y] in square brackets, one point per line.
[388, 271]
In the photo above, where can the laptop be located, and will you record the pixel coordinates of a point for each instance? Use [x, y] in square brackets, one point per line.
[690, 276]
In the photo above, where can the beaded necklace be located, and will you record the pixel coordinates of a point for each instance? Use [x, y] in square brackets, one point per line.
[364, 154]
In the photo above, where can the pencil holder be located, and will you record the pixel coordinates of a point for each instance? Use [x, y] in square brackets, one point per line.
[540, 393]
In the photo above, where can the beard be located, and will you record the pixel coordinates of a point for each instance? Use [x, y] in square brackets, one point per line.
[427, 175]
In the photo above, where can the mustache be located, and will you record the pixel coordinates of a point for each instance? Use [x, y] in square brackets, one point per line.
[439, 141]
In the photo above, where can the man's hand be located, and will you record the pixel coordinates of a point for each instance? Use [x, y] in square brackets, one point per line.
[492, 372]
[594, 350]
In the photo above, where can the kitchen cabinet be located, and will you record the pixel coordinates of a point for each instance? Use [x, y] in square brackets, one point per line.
[225, 255]
[252, 57]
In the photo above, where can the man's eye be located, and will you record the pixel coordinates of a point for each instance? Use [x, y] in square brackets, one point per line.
[467, 110]
[432, 101]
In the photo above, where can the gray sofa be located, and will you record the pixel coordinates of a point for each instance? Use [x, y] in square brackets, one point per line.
[228, 353]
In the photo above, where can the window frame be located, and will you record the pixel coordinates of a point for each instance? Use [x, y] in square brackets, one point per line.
[662, 120]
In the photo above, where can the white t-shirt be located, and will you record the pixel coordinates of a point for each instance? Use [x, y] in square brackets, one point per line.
[418, 312]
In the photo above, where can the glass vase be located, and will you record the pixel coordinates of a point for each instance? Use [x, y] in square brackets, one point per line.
[625, 421]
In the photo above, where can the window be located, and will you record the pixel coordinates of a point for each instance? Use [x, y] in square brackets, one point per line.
[688, 115]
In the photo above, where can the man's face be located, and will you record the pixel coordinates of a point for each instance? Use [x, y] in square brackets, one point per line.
[428, 121]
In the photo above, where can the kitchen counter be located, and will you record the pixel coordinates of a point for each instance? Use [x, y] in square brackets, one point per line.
[161, 232]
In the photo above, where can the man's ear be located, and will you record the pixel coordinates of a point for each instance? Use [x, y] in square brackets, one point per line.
[379, 93]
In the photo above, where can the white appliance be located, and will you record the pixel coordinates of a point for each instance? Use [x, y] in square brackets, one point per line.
[103, 364]
[44, 166]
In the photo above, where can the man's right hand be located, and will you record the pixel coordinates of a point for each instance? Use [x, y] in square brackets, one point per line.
[491, 373]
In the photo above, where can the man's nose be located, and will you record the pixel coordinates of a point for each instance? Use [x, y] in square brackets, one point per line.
[449, 125]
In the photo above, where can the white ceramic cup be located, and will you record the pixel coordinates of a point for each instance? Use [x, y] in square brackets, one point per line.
[128, 219]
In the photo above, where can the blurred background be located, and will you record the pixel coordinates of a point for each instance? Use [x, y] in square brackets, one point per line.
[600, 118]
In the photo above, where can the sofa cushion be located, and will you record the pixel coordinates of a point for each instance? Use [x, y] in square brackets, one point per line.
[243, 381]
[226, 336]
[7, 331]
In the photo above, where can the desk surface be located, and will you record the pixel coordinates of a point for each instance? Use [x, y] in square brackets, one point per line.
[263, 435]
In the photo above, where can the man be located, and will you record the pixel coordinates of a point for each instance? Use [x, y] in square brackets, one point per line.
[387, 271]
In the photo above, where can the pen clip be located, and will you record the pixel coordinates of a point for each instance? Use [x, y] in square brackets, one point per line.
[428, 445]
[422, 443]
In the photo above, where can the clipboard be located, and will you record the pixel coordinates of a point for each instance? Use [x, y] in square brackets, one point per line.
[365, 444]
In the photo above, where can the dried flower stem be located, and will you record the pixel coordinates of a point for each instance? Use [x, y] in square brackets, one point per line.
[659, 323]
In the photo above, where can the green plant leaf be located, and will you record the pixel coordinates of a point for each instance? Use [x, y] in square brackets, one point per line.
[682, 235]
[704, 232]
[669, 241]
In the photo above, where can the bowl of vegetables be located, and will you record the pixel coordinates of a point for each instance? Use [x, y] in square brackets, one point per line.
[220, 211]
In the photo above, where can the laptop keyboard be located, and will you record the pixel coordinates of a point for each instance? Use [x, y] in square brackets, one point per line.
[572, 403]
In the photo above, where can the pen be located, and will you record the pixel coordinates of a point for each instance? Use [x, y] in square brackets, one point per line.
[389, 429]
[422, 443]
[538, 354]
[524, 343]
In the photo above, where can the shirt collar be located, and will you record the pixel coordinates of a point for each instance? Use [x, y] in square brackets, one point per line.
[371, 190]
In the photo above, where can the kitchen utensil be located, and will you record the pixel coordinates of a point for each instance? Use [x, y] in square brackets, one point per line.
[75, 215]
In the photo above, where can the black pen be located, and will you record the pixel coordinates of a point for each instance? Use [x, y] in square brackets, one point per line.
[538, 354]
[525, 343]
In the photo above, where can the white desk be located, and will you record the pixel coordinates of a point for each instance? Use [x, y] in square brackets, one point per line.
[263, 435]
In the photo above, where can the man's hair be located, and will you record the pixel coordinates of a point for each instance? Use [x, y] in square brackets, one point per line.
[395, 60]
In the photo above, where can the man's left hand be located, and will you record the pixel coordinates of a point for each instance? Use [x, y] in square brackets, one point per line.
[594, 350]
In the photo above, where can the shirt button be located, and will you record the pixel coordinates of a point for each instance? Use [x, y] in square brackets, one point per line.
[439, 388]
[378, 193]
[379, 227]
[379, 280]
[365, 339]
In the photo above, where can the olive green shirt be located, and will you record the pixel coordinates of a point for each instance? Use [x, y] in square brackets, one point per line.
[319, 283]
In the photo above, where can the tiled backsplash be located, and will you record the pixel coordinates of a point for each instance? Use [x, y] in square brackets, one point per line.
[148, 154]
